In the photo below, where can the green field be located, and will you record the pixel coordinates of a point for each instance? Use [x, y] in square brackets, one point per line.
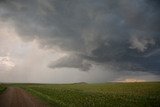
[2, 88]
[97, 95]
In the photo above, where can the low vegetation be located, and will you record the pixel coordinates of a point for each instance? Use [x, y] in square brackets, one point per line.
[2, 88]
[98, 95]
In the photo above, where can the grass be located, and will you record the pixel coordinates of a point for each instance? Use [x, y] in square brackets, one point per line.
[2, 88]
[98, 95]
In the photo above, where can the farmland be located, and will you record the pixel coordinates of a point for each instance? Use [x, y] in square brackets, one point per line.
[97, 95]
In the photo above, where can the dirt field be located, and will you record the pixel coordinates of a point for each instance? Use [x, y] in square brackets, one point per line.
[16, 97]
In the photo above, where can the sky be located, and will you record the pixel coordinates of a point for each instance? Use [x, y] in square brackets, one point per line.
[68, 41]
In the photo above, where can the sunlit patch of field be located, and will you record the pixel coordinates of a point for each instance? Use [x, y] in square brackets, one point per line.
[98, 95]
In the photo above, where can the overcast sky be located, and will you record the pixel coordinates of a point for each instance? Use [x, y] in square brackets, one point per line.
[66, 41]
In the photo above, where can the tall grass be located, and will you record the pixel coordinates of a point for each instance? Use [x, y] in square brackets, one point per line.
[2, 88]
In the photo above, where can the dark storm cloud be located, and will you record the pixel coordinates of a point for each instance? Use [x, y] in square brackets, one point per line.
[72, 61]
[120, 33]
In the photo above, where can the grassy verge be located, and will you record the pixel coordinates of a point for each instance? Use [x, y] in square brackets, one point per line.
[2, 88]
[45, 98]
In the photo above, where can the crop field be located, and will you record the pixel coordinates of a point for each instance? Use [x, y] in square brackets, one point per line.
[97, 95]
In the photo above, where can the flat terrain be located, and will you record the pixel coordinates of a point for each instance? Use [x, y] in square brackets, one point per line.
[97, 95]
[16, 97]
[82, 95]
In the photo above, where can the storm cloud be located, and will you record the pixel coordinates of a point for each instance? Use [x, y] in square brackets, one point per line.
[122, 34]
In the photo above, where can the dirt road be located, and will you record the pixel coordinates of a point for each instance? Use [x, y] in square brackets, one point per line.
[16, 97]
